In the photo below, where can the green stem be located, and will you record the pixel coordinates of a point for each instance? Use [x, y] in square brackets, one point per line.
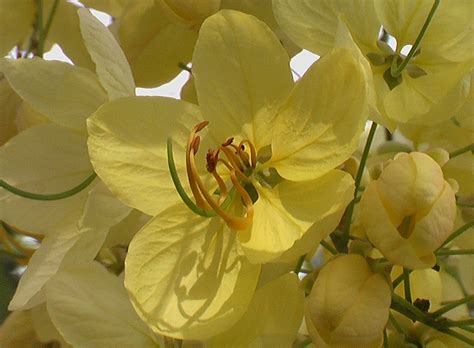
[458, 336]
[328, 247]
[465, 205]
[402, 306]
[40, 27]
[49, 197]
[299, 264]
[358, 179]
[406, 285]
[460, 323]
[452, 305]
[455, 252]
[181, 191]
[184, 67]
[395, 324]
[397, 71]
[385, 339]
[460, 151]
[179, 187]
[45, 31]
[457, 233]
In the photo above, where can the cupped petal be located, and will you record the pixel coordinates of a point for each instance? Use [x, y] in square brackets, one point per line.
[44, 159]
[332, 194]
[383, 234]
[154, 46]
[90, 308]
[242, 75]
[111, 64]
[17, 18]
[374, 297]
[319, 125]
[433, 228]
[312, 24]
[127, 145]
[187, 276]
[285, 226]
[65, 93]
[431, 98]
[272, 319]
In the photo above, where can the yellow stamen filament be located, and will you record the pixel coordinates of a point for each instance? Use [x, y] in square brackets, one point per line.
[244, 157]
[253, 152]
[235, 163]
[191, 147]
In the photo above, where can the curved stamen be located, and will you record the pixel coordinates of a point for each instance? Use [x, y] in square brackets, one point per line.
[253, 152]
[234, 163]
[243, 156]
[191, 148]
[237, 223]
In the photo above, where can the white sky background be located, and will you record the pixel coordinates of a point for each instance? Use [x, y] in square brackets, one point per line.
[299, 64]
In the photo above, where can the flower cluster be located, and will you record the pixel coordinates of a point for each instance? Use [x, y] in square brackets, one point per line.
[334, 209]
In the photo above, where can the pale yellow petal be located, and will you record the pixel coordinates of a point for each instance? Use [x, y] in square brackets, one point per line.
[383, 234]
[319, 126]
[239, 88]
[65, 31]
[272, 319]
[403, 19]
[90, 308]
[127, 145]
[424, 284]
[112, 7]
[17, 331]
[189, 13]
[110, 62]
[16, 18]
[154, 46]
[454, 44]
[45, 159]
[429, 99]
[187, 276]
[312, 24]
[287, 226]
[44, 327]
[9, 103]
[263, 10]
[65, 93]
[188, 92]
[70, 246]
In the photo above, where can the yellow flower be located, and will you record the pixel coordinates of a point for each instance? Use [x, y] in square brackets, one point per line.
[435, 83]
[348, 305]
[409, 211]
[272, 143]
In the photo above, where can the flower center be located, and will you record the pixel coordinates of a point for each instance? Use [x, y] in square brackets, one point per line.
[239, 160]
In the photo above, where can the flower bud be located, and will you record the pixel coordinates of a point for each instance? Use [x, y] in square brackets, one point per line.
[409, 211]
[348, 305]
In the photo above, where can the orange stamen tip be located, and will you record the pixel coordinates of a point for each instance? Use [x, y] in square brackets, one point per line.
[196, 143]
[228, 142]
[200, 126]
[211, 159]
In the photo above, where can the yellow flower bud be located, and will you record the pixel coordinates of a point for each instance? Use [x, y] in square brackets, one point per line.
[409, 211]
[348, 305]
